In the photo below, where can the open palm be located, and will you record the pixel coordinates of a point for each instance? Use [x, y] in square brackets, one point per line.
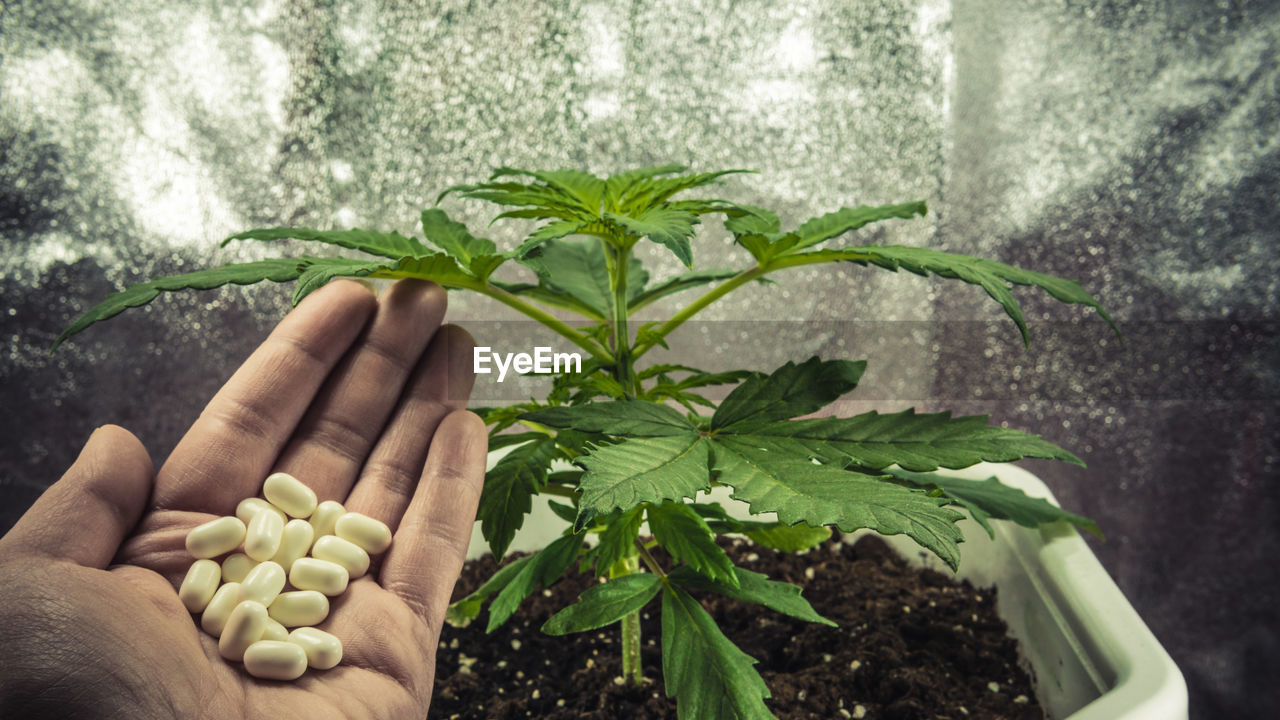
[358, 397]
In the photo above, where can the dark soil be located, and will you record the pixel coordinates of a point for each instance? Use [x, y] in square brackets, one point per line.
[911, 644]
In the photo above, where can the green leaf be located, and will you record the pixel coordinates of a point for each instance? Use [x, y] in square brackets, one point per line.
[542, 198]
[624, 183]
[461, 613]
[582, 189]
[752, 220]
[781, 480]
[827, 226]
[439, 268]
[676, 284]
[551, 231]
[994, 277]
[617, 540]
[387, 244]
[479, 255]
[653, 192]
[991, 498]
[579, 270]
[790, 538]
[706, 673]
[686, 536]
[633, 418]
[789, 391]
[647, 469]
[497, 442]
[604, 604]
[317, 272]
[139, 294]
[753, 587]
[542, 570]
[915, 442]
[509, 489]
[665, 226]
[567, 513]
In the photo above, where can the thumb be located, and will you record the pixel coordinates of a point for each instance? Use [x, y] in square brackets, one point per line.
[85, 516]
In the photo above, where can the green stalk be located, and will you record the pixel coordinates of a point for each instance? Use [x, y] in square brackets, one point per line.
[632, 670]
[621, 338]
[550, 321]
[736, 282]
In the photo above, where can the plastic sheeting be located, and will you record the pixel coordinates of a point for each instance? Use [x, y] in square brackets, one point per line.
[1132, 147]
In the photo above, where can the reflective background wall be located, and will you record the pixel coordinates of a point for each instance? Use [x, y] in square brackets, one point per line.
[1132, 147]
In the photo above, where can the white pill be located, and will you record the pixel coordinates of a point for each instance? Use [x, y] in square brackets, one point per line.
[200, 584]
[326, 514]
[245, 627]
[214, 619]
[322, 576]
[371, 535]
[275, 660]
[236, 567]
[275, 631]
[323, 649]
[262, 539]
[215, 537]
[263, 583]
[249, 507]
[294, 543]
[302, 607]
[289, 494]
[344, 552]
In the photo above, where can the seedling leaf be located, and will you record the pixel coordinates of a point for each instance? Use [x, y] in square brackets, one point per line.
[605, 604]
[686, 536]
[387, 244]
[754, 588]
[706, 673]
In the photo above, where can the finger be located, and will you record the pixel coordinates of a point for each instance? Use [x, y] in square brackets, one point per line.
[349, 412]
[85, 516]
[427, 552]
[226, 454]
[441, 384]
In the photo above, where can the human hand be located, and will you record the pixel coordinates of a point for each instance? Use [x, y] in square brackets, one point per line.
[356, 396]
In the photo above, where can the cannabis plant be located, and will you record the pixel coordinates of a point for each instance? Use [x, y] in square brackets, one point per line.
[644, 441]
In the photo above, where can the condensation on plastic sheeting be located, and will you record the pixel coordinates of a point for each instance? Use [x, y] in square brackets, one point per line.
[1130, 146]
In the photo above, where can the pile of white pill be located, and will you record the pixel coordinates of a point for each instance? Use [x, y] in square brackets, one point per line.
[285, 541]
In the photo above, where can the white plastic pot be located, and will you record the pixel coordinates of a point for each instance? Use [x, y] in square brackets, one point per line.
[1091, 655]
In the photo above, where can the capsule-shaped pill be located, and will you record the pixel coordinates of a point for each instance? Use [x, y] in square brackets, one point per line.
[249, 507]
[301, 607]
[289, 494]
[275, 631]
[322, 576]
[263, 583]
[262, 539]
[214, 619]
[294, 543]
[199, 585]
[275, 660]
[325, 516]
[323, 649]
[236, 567]
[344, 552]
[373, 536]
[245, 627]
[215, 537]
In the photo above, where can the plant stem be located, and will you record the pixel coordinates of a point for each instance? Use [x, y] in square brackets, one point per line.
[631, 665]
[621, 338]
[696, 306]
[506, 298]
[546, 318]
[737, 281]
